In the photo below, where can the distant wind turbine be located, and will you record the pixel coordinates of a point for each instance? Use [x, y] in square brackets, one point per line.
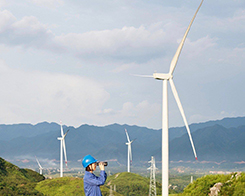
[62, 147]
[129, 150]
[165, 78]
[40, 167]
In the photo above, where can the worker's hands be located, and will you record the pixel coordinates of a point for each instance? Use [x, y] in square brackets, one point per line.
[101, 165]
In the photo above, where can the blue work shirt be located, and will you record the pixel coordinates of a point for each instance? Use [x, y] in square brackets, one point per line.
[92, 183]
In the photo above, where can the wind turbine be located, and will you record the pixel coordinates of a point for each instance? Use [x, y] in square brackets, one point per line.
[165, 78]
[40, 167]
[129, 150]
[62, 147]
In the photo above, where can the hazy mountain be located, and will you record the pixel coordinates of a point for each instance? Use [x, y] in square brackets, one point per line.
[214, 140]
[226, 122]
[9, 132]
[215, 143]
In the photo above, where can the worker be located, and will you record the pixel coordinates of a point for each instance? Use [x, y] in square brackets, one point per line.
[92, 182]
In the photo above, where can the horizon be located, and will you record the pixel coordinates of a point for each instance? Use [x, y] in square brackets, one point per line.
[23, 123]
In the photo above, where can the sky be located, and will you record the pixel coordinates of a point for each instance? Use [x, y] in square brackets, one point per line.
[75, 61]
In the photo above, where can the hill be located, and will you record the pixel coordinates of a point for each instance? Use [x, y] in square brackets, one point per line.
[215, 143]
[10, 132]
[214, 140]
[131, 184]
[176, 132]
[67, 186]
[232, 184]
[16, 181]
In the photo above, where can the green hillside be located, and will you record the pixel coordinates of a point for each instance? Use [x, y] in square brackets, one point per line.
[232, 184]
[67, 186]
[16, 181]
[131, 184]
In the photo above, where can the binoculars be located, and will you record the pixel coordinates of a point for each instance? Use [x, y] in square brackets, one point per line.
[104, 163]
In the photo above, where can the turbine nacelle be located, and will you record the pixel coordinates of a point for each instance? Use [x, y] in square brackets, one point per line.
[161, 76]
[130, 142]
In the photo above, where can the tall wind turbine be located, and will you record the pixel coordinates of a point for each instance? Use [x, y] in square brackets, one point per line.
[165, 78]
[40, 167]
[62, 147]
[129, 150]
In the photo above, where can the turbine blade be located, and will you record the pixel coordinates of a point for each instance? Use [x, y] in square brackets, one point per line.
[66, 133]
[182, 114]
[38, 163]
[61, 130]
[176, 56]
[64, 147]
[127, 135]
[143, 76]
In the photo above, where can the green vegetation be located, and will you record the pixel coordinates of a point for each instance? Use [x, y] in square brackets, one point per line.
[235, 186]
[16, 181]
[67, 186]
[61, 186]
[131, 184]
[232, 184]
[179, 182]
[202, 185]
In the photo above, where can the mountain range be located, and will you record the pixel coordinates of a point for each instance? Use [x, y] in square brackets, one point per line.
[214, 141]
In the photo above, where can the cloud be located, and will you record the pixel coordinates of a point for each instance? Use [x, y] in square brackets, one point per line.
[198, 47]
[36, 96]
[27, 32]
[2, 3]
[29, 25]
[112, 42]
[48, 3]
[124, 67]
[128, 44]
[131, 113]
[6, 19]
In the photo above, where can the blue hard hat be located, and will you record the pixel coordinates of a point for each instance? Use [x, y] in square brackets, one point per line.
[87, 160]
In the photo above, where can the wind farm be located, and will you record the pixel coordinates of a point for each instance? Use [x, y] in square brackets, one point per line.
[74, 61]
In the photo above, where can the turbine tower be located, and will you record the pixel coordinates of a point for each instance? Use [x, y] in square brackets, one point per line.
[40, 167]
[62, 147]
[165, 78]
[152, 188]
[129, 150]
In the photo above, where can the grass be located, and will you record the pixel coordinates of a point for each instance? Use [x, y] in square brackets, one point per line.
[66, 186]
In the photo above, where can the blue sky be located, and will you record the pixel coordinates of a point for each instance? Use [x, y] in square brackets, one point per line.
[74, 61]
